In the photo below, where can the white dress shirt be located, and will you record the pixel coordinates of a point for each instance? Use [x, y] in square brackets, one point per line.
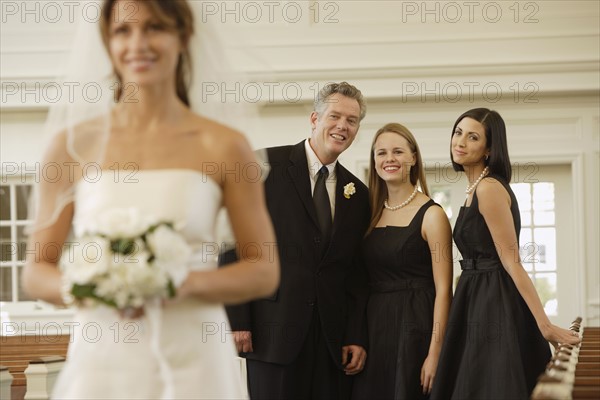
[314, 165]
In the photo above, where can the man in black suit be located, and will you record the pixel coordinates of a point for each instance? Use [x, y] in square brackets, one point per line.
[306, 340]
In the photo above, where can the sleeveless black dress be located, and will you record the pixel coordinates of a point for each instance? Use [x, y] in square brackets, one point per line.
[493, 348]
[399, 312]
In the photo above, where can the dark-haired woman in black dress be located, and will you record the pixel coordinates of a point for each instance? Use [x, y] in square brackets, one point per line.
[409, 259]
[496, 344]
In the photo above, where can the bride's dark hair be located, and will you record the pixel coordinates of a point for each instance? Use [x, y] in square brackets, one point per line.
[177, 16]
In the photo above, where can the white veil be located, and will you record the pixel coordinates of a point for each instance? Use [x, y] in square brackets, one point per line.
[79, 125]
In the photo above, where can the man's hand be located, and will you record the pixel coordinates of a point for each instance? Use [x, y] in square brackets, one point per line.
[353, 359]
[243, 341]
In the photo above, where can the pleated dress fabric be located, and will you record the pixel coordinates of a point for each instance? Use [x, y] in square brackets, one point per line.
[493, 348]
[399, 312]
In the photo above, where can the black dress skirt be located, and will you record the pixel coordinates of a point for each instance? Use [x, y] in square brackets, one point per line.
[493, 348]
[399, 312]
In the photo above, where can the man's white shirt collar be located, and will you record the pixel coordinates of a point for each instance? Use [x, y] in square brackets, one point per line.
[314, 165]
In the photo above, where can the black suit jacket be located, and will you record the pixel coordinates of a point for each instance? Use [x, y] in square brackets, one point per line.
[335, 282]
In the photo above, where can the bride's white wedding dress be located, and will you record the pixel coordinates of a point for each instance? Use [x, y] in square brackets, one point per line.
[183, 350]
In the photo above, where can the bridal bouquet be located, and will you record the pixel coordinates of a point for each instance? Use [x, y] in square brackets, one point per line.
[125, 259]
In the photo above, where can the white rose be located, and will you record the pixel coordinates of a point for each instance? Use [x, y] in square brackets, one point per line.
[124, 270]
[147, 282]
[171, 253]
[131, 280]
[121, 223]
[113, 285]
[109, 287]
[122, 299]
[87, 259]
[349, 190]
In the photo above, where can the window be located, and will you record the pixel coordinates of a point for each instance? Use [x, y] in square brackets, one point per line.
[537, 244]
[442, 195]
[547, 240]
[14, 197]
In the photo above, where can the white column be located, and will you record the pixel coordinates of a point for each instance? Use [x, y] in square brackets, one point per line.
[41, 375]
[6, 379]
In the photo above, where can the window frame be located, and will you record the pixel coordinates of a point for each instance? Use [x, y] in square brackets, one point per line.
[13, 181]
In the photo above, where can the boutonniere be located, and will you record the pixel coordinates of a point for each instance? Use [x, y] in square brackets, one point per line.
[349, 190]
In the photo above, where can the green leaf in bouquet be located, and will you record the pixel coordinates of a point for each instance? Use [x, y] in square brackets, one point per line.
[89, 292]
[123, 246]
[83, 291]
[153, 227]
[171, 289]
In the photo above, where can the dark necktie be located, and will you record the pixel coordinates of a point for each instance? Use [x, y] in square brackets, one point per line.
[322, 205]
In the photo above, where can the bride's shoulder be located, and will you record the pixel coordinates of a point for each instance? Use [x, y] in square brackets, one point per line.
[56, 146]
[210, 127]
[219, 137]
[79, 139]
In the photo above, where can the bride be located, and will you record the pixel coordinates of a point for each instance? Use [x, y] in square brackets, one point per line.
[157, 156]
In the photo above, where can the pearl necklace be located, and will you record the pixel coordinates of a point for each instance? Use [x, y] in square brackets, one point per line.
[399, 206]
[474, 185]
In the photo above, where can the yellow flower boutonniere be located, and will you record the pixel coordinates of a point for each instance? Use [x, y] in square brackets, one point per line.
[349, 190]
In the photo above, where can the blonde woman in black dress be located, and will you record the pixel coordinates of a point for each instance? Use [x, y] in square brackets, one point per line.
[408, 255]
[497, 340]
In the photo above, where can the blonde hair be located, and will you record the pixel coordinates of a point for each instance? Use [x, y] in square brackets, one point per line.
[377, 187]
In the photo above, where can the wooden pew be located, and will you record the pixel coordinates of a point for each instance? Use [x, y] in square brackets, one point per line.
[574, 371]
[18, 351]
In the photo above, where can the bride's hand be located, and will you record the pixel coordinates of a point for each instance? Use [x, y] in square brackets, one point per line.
[184, 290]
[555, 335]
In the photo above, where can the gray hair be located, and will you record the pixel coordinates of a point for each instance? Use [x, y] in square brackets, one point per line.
[343, 88]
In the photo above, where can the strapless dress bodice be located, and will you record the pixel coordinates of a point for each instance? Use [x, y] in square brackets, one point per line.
[186, 197]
